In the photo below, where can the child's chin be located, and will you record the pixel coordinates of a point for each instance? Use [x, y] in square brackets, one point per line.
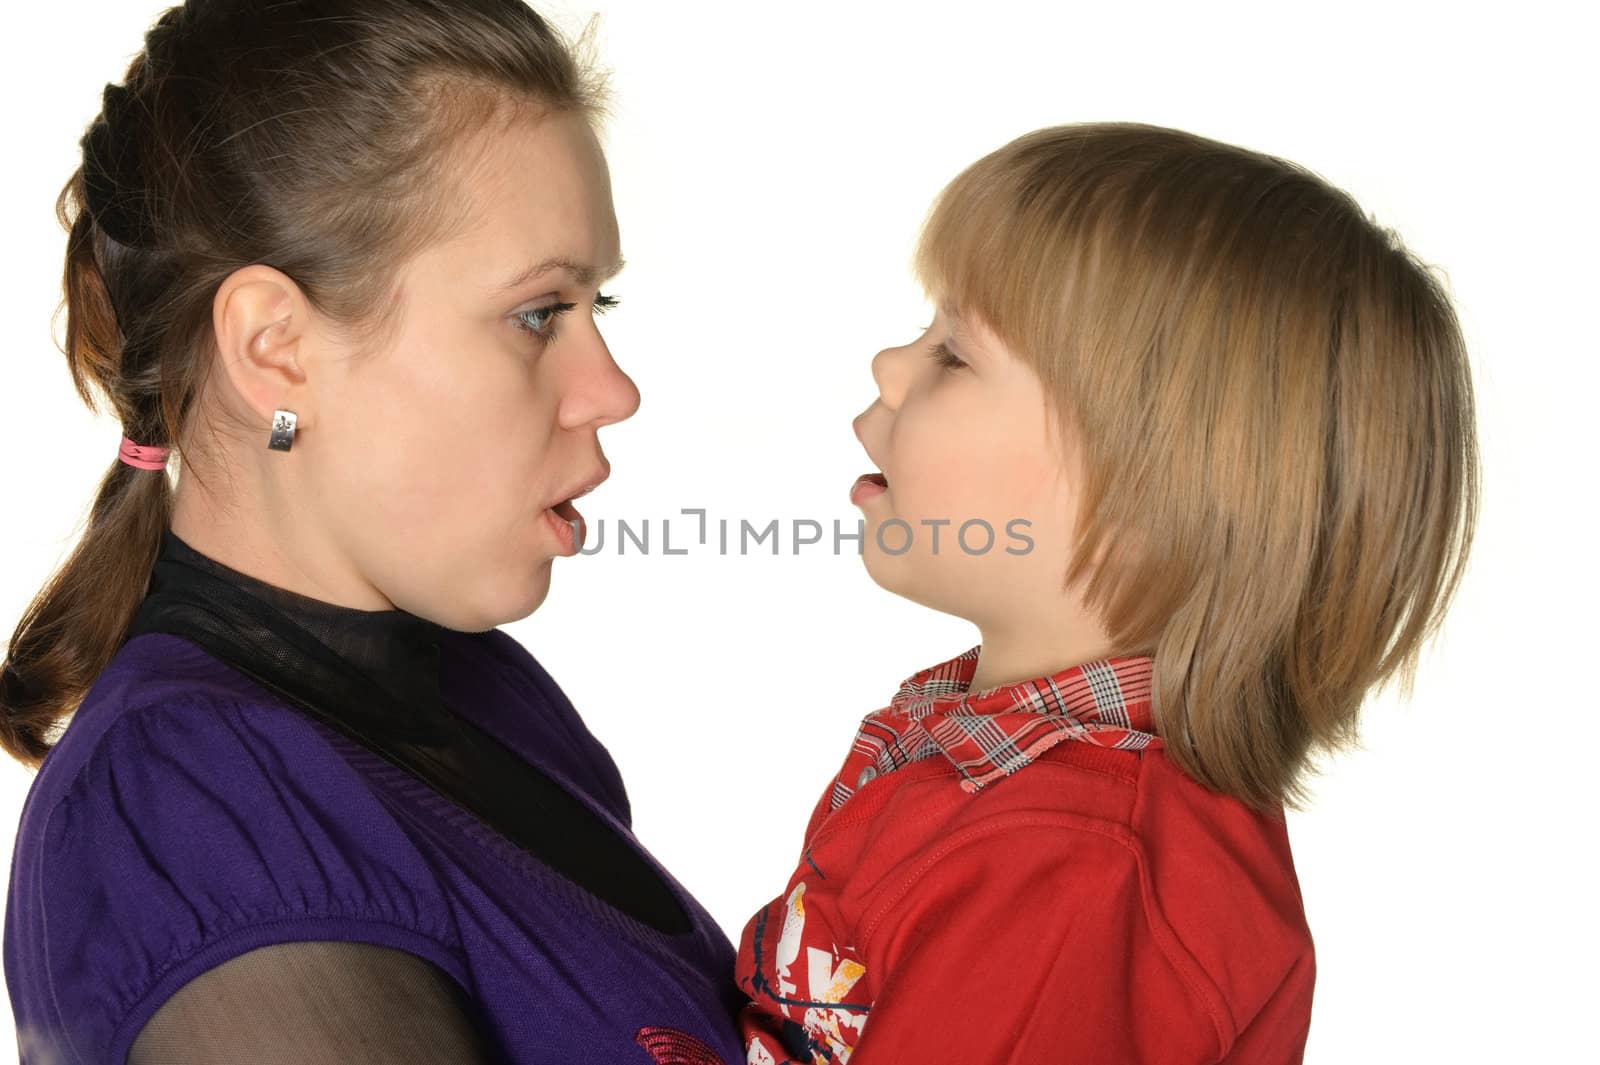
[886, 571]
[900, 575]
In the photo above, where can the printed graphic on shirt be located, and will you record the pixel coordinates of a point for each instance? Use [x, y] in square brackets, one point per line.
[803, 1008]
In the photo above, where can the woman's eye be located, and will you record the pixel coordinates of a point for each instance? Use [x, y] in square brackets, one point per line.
[541, 321]
[944, 356]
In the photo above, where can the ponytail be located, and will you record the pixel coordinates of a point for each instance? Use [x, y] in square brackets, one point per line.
[76, 623]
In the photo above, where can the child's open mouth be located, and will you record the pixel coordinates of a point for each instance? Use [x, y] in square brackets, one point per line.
[867, 486]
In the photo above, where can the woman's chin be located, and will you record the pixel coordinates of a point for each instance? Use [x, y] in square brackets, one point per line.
[539, 587]
[531, 594]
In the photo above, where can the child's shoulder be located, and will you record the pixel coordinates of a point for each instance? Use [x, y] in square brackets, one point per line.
[1206, 863]
[1076, 804]
[1201, 871]
[1190, 842]
[1140, 796]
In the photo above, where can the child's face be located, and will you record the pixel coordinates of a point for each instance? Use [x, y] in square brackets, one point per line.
[968, 443]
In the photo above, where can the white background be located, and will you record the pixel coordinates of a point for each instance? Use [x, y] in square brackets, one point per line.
[771, 166]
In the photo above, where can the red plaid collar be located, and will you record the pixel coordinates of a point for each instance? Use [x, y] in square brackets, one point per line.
[996, 731]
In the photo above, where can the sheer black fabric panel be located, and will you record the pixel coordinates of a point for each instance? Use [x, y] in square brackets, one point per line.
[315, 1003]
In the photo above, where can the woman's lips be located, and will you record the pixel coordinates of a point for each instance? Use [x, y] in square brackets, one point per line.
[868, 486]
[565, 521]
[568, 525]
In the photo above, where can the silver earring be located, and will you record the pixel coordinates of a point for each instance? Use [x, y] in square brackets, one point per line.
[282, 438]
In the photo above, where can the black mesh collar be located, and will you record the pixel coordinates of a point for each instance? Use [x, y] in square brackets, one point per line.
[380, 668]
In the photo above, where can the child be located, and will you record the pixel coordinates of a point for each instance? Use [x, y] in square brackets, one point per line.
[1224, 421]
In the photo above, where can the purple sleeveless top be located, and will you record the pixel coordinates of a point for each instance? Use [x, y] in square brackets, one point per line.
[187, 816]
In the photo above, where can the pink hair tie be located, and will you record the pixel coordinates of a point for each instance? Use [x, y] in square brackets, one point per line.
[146, 458]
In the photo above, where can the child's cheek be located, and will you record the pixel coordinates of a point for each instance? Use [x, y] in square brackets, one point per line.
[990, 480]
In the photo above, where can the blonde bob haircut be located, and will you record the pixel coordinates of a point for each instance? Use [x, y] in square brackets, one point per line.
[1272, 410]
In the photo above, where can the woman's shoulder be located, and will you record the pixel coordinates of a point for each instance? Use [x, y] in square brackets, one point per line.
[181, 820]
[152, 674]
[167, 692]
[178, 762]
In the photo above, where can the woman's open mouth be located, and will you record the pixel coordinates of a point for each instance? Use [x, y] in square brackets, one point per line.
[568, 525]
[867, 486]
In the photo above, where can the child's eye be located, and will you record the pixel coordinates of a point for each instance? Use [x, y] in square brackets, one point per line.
[944, 356]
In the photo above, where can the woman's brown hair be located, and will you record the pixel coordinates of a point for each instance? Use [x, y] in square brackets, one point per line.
[1272, 408]
[310, 135]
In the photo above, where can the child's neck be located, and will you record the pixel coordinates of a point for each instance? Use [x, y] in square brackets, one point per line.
[1010, 656]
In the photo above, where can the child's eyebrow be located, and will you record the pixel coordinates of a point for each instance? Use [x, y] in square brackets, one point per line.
[957, 327]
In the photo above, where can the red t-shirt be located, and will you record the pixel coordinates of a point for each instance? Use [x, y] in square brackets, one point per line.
[1023, 875]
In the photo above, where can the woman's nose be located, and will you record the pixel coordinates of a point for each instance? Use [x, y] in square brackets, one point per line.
[599, 393]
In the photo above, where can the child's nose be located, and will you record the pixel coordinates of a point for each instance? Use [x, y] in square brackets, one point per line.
[888, 370]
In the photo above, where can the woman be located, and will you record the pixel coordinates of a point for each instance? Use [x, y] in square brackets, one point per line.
[312, 805]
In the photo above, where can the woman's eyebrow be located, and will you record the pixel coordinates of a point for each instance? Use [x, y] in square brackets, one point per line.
[582, 273]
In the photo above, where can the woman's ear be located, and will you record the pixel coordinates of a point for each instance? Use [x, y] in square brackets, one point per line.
[261, 320]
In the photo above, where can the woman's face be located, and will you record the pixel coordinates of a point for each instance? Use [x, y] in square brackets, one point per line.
[485, 412]
[423, 473]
